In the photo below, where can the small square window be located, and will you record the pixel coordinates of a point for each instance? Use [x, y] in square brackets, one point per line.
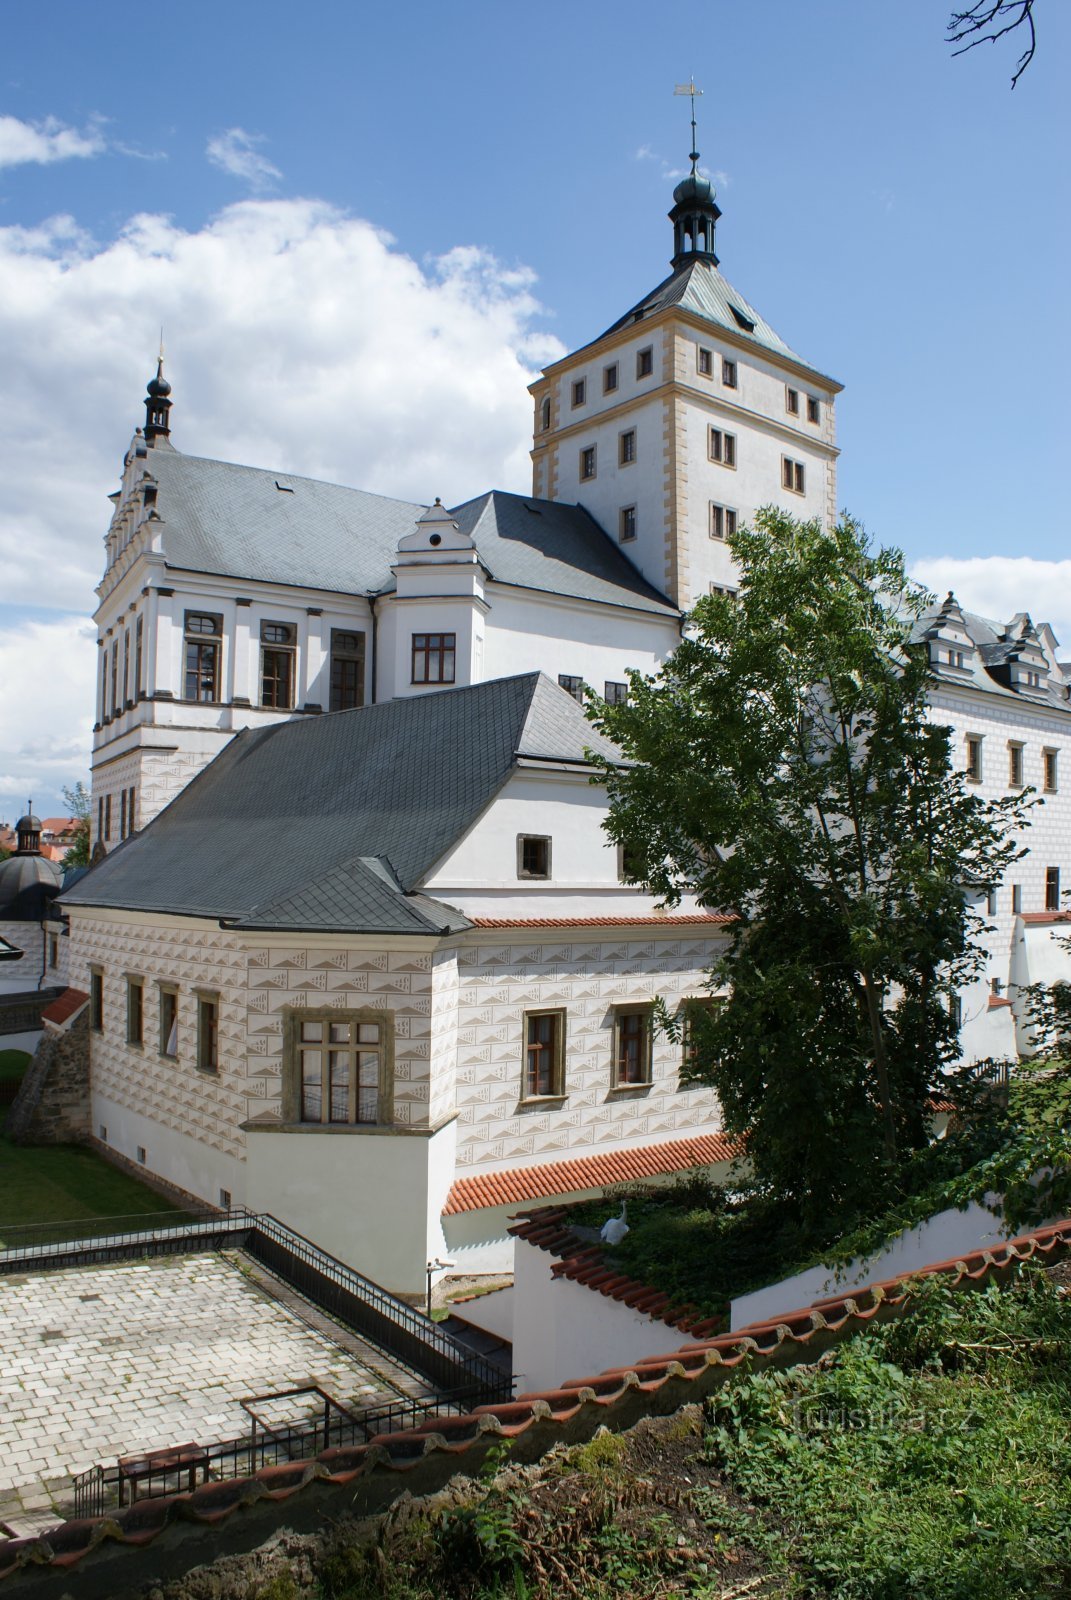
[1052, 888]
[704, 361]
[974, 758]
[723, 447]
[627, 525]
[208, 1033]
[142, 1156]
[626, 453]
[1015, 765]
[544, 1054]
[434, 657]
[224, 1199]
[793, 475]
[814, 410]
[609, 378]
[1051, 767]
[728, 373]
[615, 694]
[533, 855]
[135, 1011]
[573, 686]
[580, 391]
[632, 1046]
[644, 362]
[792, 402]
[587, 463]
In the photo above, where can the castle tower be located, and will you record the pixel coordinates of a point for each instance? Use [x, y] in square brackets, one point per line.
[686, 415]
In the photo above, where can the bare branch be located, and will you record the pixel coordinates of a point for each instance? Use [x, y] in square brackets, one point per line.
[969, 28]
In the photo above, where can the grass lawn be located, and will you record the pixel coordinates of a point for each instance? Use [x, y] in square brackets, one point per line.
[13, 1064]
[60, 1183]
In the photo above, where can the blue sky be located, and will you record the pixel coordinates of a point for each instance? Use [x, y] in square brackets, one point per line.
[899, 216]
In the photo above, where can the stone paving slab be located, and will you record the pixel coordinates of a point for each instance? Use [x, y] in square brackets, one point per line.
[106, 1361]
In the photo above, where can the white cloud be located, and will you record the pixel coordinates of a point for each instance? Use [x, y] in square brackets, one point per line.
[236, 153]
[44, 142]
[46, 711]
[999, 586]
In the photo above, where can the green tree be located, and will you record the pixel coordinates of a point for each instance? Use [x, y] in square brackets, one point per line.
[785, 769]
[78, 803]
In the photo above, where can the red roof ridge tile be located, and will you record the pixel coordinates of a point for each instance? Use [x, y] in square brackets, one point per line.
[65, 1007]
[1039, 918]
[516, 1185]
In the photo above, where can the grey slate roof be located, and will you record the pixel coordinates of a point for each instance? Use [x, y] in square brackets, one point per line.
[237, 521]
[331, 823]
[995, 644]
[699, 287]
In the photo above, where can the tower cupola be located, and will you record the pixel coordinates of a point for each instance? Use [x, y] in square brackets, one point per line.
[157, 406]
[695, 210]
[28, 834]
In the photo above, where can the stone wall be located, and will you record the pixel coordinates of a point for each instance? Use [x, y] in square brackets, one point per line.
[52, 1106]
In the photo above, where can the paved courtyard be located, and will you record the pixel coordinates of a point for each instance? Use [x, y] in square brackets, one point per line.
[106, 1361]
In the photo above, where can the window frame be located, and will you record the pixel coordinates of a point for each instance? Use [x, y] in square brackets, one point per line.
[208, 1051]
[626, 525]
[446, 647]
[1052, 888]
[792, 401]
[1050, 768]
[543, 839]
[163, 1035]
[286, 652]
[199, 640]
[723, 451]
[729, 373]
[627, 1009]
[96, 999]
[1017, 900]
[545, 414]
[135, 1010]
[645, 361]
[579, 392]
[691, 1006]
[611, 378]
[793, 475]
[343, 656]
[1016, 764]
[974, 769]
[723, 521]
[572, 685]
[814, 410]
[626, 448]
[589, 456]
[354, 1017]
[704, 361]
[530, 1092]
[619, 694]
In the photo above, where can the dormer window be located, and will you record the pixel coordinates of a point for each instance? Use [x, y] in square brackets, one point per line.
[956, 658]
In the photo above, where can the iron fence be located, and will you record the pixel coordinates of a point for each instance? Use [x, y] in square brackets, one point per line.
[103, 1488]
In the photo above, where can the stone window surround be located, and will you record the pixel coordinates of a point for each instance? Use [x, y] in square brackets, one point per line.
[293, 1017]
[135, 1011]
[163, 987]
[620, 1085]
[541, 838]
[205, 998]
[529, 1097]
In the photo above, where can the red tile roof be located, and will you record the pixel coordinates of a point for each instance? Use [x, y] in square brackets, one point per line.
[429, 1454]
[64, 1007]
[996, 1001]
[711, 919]
[1037, 919]
[519, 1184]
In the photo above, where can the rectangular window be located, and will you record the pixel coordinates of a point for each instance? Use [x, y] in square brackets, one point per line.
[135, 1011]
[96, 1001]
[609, 378]
[224, 1199]
[722, 521]
[53, 950]
[1049, 760]
[792, 402]
[139, 657]
[626, 454]
[793, 475]
[955, 1011]
[1017, 899]
[347, 670]
[107, 816]
[814, 410]
[704, 361]
[434, 656]
[626, 529]
[694, 1010]
[126, 667]
[991, 903]
[615, 694]
[632, 1045]
[340, 1068]
[122, 814]
[723, 447]
[1052, 888]
[1015, 765]
[544, 1054]
[115, 678]
[728, 373]
[573, 686]
[142, 1156]
[130, 808]
[721, 589]
[208, 1032]
[533, 855]
[580, 391]
[587, 463]
[203, 633]
[277, 642]
[644, 362]
[168, 1021]
[100, 816]
[974, 758]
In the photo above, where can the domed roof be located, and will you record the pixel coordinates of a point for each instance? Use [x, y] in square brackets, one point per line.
[159, 387]
[28, 824]
[694, 190]
[27, 883]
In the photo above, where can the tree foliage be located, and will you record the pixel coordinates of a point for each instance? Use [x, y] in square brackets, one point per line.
[78, 804]
[784, 769]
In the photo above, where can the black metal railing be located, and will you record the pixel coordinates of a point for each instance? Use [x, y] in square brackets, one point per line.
[104, 1488]
[362, 1305]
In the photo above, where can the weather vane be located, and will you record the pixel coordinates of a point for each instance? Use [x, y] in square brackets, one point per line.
[691, 91]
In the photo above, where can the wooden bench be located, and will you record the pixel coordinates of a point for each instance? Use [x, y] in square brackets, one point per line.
[177, 1458]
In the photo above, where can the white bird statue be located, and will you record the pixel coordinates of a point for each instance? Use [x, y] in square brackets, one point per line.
[614, 1229]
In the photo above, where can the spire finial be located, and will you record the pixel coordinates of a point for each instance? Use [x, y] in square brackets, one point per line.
[157, 401]
[691, 91]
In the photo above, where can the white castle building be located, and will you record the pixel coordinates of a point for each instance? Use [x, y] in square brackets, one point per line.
[375, 966]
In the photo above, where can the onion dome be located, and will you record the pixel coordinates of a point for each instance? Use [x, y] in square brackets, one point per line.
[157, 406]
